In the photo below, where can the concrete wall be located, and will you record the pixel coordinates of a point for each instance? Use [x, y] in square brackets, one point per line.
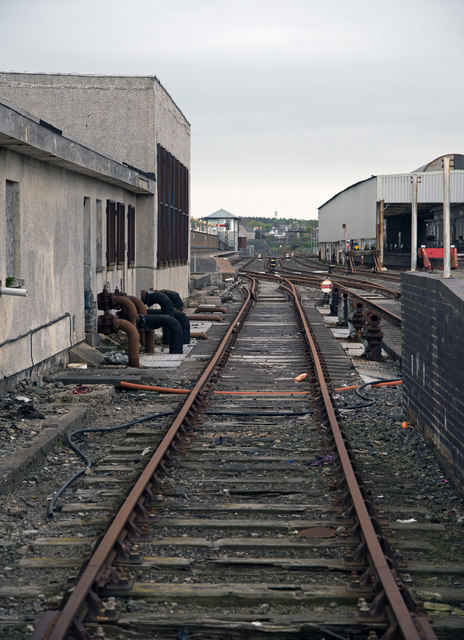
[60, 251]
[125, 117]
[203, 241]
[433, 364]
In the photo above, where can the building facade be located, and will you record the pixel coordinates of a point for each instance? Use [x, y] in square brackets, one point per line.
[133, 120]
[226, 226]
[68, 226]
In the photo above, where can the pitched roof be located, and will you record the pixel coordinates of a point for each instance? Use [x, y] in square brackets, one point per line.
[221, 213]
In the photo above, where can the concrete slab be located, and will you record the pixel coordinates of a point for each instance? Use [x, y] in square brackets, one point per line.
[87, 354]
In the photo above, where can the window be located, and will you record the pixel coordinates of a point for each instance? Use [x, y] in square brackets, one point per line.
[116, 234]
[173, 209]
[99, 236]
[120, 234]
[131, 235]
[110, 233]
[13, 234]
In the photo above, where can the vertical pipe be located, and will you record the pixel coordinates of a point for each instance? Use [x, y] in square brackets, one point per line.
[446, 218]
[381, 238]
[414, 223]
[133, 340]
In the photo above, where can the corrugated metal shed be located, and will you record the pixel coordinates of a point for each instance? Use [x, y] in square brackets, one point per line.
[355, 207]
[398, 188]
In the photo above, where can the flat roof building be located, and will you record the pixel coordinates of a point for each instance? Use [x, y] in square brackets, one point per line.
[94, 177]
[133, 120]
[376, 213]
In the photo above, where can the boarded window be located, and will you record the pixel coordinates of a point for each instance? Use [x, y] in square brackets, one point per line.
[173, 209]
[110, 233]
[121, 234]
[131, 235]
[99, 236]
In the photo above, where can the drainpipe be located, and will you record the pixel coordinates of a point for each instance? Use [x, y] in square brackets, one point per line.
[12, 291]
[155, 320]
[148, 337]
[108, 323]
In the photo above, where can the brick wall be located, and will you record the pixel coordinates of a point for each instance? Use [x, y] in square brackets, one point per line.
[433, 364]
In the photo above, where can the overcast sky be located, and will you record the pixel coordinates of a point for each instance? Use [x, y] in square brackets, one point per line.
[289, 101]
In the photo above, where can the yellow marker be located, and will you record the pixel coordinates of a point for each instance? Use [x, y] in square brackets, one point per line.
[301, 377]
[404, 426]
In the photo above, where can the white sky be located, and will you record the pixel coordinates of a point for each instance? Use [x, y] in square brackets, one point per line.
[290, 101]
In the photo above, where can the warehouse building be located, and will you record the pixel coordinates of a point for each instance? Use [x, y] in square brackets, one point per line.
[133, 120]
[376, 214]
[78, 216]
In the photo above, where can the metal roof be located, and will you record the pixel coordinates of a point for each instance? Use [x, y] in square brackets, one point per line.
[437, 164]
[220, 214]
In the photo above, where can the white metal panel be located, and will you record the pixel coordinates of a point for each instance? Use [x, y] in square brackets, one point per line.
[398, 188]
[457, 186]
[355, 207]
[395, 188]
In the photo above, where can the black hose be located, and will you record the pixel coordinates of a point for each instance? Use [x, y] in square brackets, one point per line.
[87, 460]
[370, 401]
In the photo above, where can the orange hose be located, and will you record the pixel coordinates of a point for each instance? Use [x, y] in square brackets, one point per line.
[146, 387]
[378, 384]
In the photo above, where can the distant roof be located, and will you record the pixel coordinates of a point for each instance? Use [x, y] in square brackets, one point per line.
[437, 164]
[347, 189]
[221, 213]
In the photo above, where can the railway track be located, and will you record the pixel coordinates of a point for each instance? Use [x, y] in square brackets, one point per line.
[387, 276]
[372, 295]
[252, 525]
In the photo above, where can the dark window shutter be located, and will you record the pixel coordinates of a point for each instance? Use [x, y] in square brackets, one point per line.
[110, 233]
[172, 209]
[121, 217]
[131, 235]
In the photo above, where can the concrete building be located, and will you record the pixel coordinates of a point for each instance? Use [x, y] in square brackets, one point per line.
[133, 120]
[226, 226]
[70, 224]
[376, 213]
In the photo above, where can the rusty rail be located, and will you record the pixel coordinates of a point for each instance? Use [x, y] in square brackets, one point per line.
[55, 625]
[315, 281]
[412, 625]
[98, 571]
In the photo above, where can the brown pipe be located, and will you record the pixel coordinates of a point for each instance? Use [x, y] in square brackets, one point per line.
[199, 334]
[133, 339]
[209, 309]
[128, 306]
[139, 305]
[201, 316]
[148, 337]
